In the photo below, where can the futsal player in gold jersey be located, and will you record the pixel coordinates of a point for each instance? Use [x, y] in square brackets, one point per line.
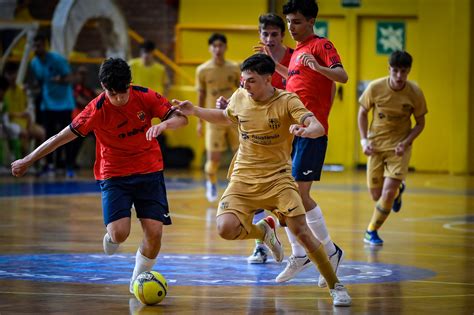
[216, 77]
[267, 119]
[389, 139]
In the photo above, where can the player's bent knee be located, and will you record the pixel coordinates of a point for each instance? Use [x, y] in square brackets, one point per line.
[119, 236]
[228, 226]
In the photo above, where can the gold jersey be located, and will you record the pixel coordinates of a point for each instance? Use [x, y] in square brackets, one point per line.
[217, 80]
[264, 152]
[392, 112]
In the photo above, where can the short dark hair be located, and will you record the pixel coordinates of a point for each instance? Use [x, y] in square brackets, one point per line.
[259, 63]
[3, 83]
[115, 75]
[400, 59]
[271, 19]
[309, 8]
[40, 37]
[217, 36]
[147, 46]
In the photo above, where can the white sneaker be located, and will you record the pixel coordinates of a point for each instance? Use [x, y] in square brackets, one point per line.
[340, 297]
[211, 191]
[294, 266]
[335, 259]
[109, 247]
[271, 239]
[259, 255]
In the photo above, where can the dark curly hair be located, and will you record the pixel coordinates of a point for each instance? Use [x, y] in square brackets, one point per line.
[308, 8]
[217, 36]
[115, 75]
[400, 59]
[271, 19]
[259, 63]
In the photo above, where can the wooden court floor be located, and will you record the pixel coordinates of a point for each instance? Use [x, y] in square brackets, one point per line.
[51, 259]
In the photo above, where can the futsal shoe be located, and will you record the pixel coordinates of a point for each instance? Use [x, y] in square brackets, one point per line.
[271, 239]
[372, 238]
[211, 191]
[109, 247]
[397, 203]
[294, 266]
[259, 255]
[335, 259]
[340, 296]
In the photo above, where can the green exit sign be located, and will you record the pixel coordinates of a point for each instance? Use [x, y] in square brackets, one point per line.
[350, 3]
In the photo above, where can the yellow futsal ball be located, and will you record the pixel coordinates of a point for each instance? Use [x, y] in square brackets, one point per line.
[150, 287]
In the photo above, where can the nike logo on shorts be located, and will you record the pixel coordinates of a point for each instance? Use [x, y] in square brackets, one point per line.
[307, 172]
[291, 209]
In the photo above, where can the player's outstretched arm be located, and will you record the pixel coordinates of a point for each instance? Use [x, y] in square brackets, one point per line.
[312, 128]
[175, 121]
[214, 116]
[19, 167]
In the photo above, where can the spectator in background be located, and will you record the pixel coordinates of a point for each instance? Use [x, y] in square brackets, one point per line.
[8, 130]
[147, 72]
[214, 78]
[83, 95]
[18, 111]
[53, 73]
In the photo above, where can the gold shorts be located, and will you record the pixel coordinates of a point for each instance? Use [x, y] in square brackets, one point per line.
[387, 164]
[219, 136]
[280, 196]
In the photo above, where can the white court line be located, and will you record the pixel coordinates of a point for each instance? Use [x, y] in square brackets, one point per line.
[442, 282]
[450, 226]
[213, 297]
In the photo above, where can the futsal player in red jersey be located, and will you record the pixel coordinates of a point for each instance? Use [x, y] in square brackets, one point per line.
[314, 67]
[129, 164]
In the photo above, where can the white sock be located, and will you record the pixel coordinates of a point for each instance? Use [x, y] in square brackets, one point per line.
[296, 249]
[142, 263]
[316, 223]
[259, 215]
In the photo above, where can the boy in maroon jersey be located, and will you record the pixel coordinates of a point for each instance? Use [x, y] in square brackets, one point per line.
[314, 67]
[129, 164]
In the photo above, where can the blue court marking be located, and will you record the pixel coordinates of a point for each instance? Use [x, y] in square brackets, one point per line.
[77, 187]
[188, 270]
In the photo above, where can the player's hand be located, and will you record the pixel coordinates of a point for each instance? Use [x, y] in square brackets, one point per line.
[222, 102]
[308, 60]
[184, 107]
[19, 167]
[263, 49]
[297, 130]
[368, 149]
[155, 131]
[400, 148]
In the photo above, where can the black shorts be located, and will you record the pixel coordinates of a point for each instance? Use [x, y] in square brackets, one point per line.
[147, 192]
[308, 158]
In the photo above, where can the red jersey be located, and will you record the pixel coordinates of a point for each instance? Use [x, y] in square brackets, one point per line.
[277, 80]
[313, 88]
[121, 145]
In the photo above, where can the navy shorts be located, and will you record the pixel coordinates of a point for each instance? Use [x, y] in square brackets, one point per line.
[147, 192]
[308, 158]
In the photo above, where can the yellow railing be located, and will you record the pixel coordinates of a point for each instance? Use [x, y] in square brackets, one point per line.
[204, 27]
